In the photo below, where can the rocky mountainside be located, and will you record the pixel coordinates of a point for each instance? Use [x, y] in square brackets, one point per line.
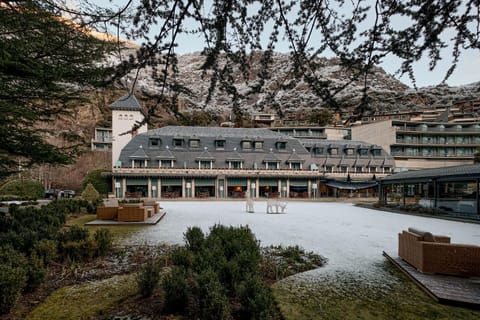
[283, 93]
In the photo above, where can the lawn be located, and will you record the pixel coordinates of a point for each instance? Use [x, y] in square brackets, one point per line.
[388, 294]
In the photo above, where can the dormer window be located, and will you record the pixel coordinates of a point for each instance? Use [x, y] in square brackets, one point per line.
[139, 163]
[177, 143]
[271, 165]
[154, 143]
[281, 145]
[295, 165]
[205, 164]
[317, 151]
[376, 152]
[334, 151]
[258, 145]
[246, 144]
[219, 144]
[349, 151]
[363, 152]
[194, 143]
[235, 164]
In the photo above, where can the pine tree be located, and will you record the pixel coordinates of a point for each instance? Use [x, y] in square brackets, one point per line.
[45, 61]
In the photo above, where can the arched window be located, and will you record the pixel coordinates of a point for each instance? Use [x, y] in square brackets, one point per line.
[120, 117]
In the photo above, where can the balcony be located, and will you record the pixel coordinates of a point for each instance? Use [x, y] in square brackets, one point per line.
[421, 142]
[429, 130]
[420, 155]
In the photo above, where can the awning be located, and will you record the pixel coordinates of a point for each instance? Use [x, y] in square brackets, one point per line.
[344, 185]
[268, 182]
[171, 181]
[236, 182]
[299, 183]
[204, 182]
[136, 182]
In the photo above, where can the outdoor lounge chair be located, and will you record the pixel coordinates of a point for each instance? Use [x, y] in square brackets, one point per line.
[152, 206]
[435, 254]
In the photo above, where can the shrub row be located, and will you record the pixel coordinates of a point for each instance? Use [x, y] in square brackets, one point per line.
[23, 189]
[31, 238]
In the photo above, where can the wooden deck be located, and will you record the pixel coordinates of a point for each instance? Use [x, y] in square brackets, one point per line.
[150, 221]
[449, 290]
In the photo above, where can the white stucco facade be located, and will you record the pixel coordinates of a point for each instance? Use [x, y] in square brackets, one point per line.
[126, 111]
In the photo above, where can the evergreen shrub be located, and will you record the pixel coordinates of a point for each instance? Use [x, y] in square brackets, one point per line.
[90, 193]
[23, 189]
[100, 183]
[13, 278]
[148, 278]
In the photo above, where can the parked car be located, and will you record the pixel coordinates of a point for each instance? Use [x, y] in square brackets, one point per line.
[66, 194]
[51, 193]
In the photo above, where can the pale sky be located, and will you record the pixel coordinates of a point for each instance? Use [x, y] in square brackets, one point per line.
[468, 68]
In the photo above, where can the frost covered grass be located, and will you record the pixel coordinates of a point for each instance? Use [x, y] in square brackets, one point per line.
[86, 301]
[349, 295]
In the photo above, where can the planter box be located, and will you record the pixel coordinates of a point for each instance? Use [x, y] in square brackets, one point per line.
[132, 214]
[107, 213]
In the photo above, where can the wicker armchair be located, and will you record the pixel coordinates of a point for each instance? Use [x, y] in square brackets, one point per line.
[435, 254]
[152, 206]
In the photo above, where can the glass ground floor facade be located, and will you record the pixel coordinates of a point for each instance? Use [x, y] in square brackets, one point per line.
[451, 191]
[222, 187]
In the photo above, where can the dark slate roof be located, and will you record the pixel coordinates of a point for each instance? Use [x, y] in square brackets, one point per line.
[270, 157]
[375, 162]
[127, 102]
[166, 155]
[295, 158]
[139, 154]
[205, 155]
[219, 133]
[347, 162]
[465, 172]
[234, 156]
[332, 161]
[186, 156]
[361, 162]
